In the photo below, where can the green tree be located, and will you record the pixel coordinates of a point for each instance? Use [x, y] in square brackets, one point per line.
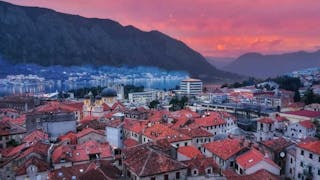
[178, 104]
[154, 104]
[296, 96]
[309, 97]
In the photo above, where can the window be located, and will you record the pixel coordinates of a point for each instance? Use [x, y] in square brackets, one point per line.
[185, 144]
[290, 170]
[318, 172]
[299, 175]
[241, 172]
[291, 160]
[153, 178]
[310, 156]
[195, 172]
[177, 145]
[166, 177]
[209, 171]
[302, 152]
[177, 175]
[301, 164]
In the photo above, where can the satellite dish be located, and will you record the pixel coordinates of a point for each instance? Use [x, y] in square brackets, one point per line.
[282, 154]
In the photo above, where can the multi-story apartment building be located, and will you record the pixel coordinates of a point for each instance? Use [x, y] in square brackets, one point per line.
[191, 86]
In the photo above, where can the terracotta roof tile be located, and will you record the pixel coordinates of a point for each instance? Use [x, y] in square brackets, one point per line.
[35, 136]
[253, 157]
[277, 144]
[145, 161]
[211, 120]
[265, 120]
[189, 151]
[305, 113]
[8, 128]
[307, 124]
[312, 146]
[42, 166]
[261, 174]
[225, 148]
[87, 131]
[201, 163]
[130, 143]
[160, 131]
[195, 132]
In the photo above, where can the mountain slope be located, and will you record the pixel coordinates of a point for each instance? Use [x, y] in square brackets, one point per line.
[258, 65]
[219, 62]
[46, 37]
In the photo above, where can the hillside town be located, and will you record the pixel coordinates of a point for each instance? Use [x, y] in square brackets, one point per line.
[189, 133]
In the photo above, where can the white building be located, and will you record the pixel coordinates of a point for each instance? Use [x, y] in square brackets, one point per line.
[265, 129]
[253, 161]
[302, 129]
[114, 133]
[145, 97]
[191, 86]
[308, 160]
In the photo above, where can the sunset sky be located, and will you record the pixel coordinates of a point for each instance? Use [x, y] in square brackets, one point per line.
[220, 28]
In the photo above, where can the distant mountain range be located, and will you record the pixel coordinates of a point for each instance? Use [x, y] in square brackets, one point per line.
[219, 62]
[263, 66]
[45, 37]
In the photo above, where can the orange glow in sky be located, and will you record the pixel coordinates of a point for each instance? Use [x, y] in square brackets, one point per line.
[220, 28]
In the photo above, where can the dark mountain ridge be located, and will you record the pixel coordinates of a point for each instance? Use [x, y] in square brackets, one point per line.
[46, 37]
[262, 66]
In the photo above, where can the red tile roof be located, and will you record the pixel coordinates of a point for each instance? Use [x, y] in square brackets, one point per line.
[55, 106]
[212, 120]
[88, 119]
[281, 119]
[2, 110]
[145, 161]
[312, 146]
[98, 170]
[21, 121]
[253, 157]
[42, 166]
[94, 124]
[307, 124]
[195, 132]
[265, 120]
[201, 163]
[115, 123]
[35, 136]
[189, 151]
[305, 113]
[15, 150]
[224, 148]
[38, 148]
[277, 144]
[70, 136]
[87, 131]
[160, 131]
[130, 143]
[136, 126]
[261, 174]
[8, 128]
